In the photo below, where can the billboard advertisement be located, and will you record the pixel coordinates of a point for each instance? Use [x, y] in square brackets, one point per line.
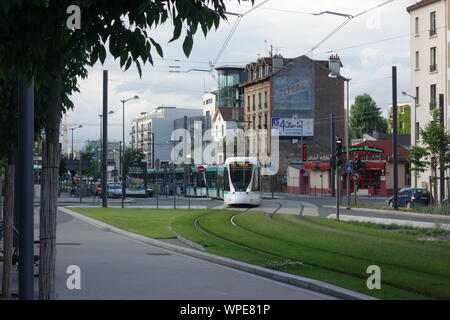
[293, 127]
[136, 182]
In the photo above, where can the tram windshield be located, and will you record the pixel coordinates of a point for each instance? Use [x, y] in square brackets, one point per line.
[241, 176]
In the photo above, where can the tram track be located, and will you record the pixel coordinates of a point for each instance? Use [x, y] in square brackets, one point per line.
[290, 260]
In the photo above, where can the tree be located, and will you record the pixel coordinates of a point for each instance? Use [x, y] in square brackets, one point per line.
[131, 156]
[434, 152]
[35, 40]
[365, 117]
[90, 155]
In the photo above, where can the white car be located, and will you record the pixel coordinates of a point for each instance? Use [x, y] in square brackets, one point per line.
[114, 190]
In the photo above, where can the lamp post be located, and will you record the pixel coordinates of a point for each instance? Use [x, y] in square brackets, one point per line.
[347, 129]
[123, 144]
[73, 129]
[415, 128]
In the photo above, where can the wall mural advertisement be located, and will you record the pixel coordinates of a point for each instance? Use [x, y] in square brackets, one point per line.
[293, 91]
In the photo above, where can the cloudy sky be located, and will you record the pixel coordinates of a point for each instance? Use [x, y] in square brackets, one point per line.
[369, 45]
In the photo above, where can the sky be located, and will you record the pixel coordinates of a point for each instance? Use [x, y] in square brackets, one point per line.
[369, 45]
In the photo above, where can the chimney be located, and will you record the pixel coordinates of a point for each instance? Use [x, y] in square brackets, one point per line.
[335, 65]
[277, 62]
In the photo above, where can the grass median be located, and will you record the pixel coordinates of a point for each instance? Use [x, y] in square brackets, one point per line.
[334, 252]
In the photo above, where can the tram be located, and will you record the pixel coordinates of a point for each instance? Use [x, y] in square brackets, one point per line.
[237, 182]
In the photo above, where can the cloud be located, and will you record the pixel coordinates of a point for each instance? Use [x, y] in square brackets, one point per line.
[366, 53]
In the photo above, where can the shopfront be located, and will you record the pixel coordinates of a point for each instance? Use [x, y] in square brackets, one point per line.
[376, 172]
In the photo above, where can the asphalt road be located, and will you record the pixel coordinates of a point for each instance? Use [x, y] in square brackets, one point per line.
[114, 267]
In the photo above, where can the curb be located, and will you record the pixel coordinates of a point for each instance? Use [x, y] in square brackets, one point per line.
[406, 214]
[309, 284]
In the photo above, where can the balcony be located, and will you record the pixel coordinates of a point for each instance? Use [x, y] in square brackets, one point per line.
[433, 32]
[433, 68]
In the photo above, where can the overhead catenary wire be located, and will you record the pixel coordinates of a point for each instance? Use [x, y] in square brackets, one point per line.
[349, 18]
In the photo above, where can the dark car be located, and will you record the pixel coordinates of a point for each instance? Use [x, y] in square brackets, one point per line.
[408, 197]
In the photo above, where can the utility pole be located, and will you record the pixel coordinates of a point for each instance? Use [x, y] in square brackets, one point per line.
[301, 157]
[332, 151]
[442, 169]
[105, 140]
[25, 196]
[394, 130]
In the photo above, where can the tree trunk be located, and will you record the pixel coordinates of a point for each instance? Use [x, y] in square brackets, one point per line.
[51, 153]
[8, 223]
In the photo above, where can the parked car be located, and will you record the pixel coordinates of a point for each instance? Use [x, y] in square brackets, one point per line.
[408, 197]
[114, 190]
[150, 192]
[446, 201]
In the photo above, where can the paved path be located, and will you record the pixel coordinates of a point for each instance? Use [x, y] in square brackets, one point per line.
[114, 267]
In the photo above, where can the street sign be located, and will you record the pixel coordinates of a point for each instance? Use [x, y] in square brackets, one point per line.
[201, 169]
[356, 176]
[349, 168]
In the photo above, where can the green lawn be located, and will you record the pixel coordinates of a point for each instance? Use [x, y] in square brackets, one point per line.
[334, 252]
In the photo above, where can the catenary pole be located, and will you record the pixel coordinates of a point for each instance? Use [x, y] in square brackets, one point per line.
[25, 196]
[105, 139]
[395, 133]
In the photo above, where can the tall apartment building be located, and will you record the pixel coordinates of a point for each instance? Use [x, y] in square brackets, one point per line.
[152, 132]
[430, 43]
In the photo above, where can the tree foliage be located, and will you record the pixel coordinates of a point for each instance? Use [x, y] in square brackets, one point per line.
[365, 117]
[435, 150]
[35, 43]
[132, 156]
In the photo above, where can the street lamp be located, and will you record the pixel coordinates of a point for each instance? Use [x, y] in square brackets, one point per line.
[123, 146]
[415, 128]
[73, 129]
[332, 75]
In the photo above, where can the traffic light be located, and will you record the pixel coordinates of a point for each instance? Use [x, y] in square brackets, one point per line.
[339, 160]
[338, 146]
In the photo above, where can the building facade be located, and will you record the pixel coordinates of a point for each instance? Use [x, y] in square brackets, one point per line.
[430, 42]
[403, 118]
[152, 132]
[229, 93]
[297, 97]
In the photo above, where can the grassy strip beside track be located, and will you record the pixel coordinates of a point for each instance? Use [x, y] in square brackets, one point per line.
[315, 248]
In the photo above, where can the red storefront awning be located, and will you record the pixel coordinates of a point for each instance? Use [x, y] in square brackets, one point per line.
[375, 165]
[324, 166]
[310, 166]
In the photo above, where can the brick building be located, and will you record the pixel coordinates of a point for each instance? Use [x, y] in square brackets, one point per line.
[298, 97]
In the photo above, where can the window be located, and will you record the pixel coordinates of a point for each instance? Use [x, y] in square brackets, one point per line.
[248, 103]
[417, 131]
[254, 102]
[417, 95]
[417, 60]
[433, 23]
[432, 96]
[417, 26]
[259, 100]
[265, 99]
[433, 59]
